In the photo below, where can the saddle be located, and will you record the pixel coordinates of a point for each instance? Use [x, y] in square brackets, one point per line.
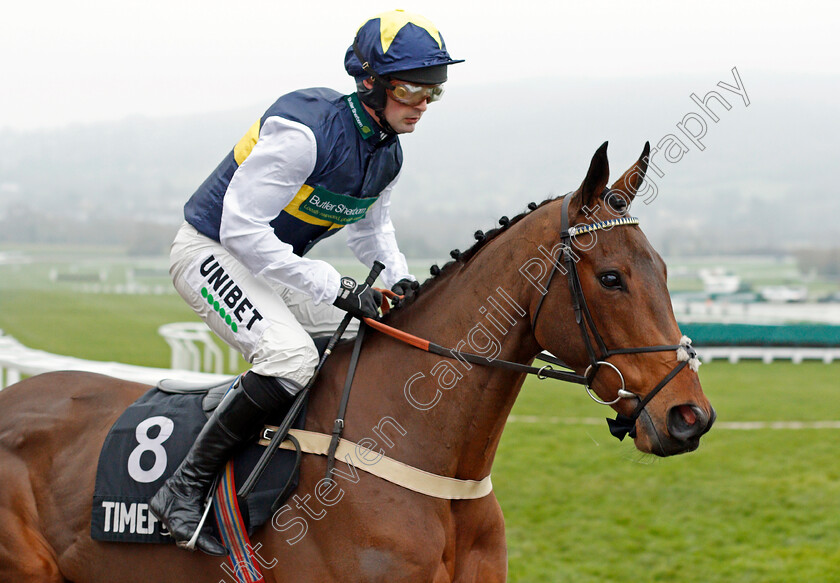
[212, 394]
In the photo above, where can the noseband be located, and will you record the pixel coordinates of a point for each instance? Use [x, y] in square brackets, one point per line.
[622, 425]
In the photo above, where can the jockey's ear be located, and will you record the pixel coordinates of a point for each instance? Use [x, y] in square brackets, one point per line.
[630, 182]
[596, 179]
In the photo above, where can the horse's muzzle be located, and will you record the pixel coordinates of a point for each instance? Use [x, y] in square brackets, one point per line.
[687, 423]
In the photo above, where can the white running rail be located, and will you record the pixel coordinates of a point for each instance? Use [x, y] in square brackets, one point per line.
[767, 354]
[17, 360]
[193, 348]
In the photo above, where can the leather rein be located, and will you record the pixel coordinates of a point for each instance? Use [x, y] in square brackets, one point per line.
[565, 261]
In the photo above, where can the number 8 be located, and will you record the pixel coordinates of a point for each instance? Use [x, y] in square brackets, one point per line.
[153, 445]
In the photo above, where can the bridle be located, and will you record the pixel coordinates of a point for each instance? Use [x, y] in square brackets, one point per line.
[622, 425]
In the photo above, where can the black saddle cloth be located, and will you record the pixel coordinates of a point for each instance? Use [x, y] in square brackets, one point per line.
[146, 445]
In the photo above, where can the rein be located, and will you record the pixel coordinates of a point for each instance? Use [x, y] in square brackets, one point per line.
[622, 425]
[427, 346]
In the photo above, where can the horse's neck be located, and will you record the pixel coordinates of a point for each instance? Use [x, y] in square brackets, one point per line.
[477, 310]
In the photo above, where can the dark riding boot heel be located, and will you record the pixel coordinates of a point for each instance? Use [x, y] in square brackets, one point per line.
[241, 414]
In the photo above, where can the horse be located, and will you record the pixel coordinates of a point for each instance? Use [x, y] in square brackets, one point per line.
[442, 415]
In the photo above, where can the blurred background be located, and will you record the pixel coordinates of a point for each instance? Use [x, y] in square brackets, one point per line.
[111, 114]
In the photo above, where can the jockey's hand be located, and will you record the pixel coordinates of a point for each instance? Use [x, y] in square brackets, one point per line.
[406, 288]
[358, 299]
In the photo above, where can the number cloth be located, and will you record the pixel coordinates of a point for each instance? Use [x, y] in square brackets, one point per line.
[145, 446]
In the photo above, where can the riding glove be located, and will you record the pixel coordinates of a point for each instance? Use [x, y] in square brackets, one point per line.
[359, 300]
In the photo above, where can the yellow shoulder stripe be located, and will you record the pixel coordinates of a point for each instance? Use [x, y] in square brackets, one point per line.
[243, 148]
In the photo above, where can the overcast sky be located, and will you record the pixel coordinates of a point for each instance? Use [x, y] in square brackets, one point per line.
[67, 62]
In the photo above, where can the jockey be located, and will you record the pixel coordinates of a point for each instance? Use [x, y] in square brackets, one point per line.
[314, 163]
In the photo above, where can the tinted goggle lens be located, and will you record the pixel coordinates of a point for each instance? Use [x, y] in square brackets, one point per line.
[409, 94]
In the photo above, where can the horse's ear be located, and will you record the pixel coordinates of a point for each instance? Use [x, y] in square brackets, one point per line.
[631, 181]
[596, 178]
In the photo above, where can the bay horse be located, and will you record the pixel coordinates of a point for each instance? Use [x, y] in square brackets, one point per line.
[52, 426]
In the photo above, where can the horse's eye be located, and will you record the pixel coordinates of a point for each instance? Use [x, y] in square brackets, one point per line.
[610, 280]
[617, 201]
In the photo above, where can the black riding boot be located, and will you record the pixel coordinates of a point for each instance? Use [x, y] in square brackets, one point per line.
[239, 417]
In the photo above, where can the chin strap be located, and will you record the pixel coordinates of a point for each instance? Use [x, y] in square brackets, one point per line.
[383, 123]
[383, 85]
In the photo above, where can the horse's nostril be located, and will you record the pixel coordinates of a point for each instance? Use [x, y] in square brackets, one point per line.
[686, 422]
[687, 414]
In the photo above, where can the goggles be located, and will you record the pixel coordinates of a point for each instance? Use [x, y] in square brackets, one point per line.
[411, 94]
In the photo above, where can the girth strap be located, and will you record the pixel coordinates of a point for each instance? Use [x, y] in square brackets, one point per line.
[387, 468]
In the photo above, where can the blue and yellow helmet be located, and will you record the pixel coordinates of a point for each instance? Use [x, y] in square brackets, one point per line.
[398, 44]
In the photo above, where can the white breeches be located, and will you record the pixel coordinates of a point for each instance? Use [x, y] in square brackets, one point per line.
[270, 324]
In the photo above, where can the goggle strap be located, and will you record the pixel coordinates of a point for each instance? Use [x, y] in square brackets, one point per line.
[366, 65]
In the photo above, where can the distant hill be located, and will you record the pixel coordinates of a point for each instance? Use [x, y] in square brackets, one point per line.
[763, 183]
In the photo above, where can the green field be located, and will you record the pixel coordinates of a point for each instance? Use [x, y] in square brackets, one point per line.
[757, 506]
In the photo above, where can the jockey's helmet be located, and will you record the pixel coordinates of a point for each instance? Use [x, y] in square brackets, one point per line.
[396, 45]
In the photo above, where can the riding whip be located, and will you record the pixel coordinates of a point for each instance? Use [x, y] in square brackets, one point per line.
[280, 435]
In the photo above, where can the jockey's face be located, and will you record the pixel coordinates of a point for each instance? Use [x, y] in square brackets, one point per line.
[401, 117]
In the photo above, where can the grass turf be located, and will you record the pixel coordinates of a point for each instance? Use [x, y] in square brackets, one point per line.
[749, 506]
